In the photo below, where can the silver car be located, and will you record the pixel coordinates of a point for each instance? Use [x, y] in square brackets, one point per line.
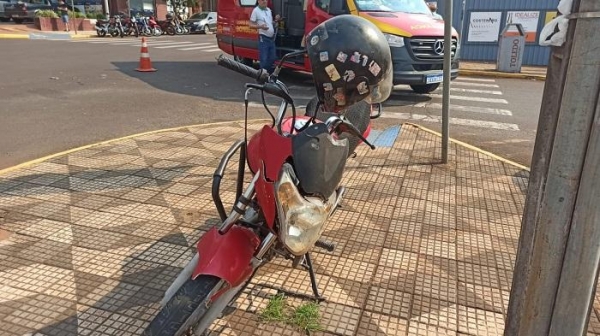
[205, 22]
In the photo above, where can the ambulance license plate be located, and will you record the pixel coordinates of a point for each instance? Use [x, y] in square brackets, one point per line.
[434, 79]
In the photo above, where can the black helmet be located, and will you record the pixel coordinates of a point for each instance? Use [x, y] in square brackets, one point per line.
[351, 61]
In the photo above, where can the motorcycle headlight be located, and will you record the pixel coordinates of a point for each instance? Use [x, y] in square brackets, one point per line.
[302, 219]
[394, 40]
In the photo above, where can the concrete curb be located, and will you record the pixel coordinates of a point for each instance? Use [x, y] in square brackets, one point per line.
[14, 36]
[68, 151]
[27, 36]
[76, 149]
[496, 74]
[471, 147]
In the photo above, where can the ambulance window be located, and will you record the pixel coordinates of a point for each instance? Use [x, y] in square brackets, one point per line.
[323, 4]
[248, 3]
[338, 7]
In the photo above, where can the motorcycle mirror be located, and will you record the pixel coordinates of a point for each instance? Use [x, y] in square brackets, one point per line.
[376, 110]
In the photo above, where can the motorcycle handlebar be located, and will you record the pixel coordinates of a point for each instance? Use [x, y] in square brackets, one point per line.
[261, 76]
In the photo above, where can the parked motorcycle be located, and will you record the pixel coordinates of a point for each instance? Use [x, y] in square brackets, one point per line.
[297, 163]
[102, 28]
[154, 26]
[118, 29]
[178, 25]
[167, 27]
[143, 26]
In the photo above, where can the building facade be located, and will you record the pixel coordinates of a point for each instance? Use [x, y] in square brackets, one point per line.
[480, 22]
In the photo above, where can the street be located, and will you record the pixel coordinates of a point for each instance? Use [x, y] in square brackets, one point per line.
[62, 94]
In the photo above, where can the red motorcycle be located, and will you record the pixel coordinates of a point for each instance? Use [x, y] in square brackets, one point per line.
[297, 163]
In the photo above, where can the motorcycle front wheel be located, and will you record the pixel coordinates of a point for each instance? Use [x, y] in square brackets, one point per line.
[190, 307]
[101, 33]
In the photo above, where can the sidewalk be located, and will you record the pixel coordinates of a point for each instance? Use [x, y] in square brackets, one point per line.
[29, 31]
[90, 239]
[486, 69]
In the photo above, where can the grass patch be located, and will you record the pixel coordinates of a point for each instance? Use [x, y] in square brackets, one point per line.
[275, 311]
[306, 317]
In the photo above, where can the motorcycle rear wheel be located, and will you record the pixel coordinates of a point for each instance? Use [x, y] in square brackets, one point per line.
[187, 309]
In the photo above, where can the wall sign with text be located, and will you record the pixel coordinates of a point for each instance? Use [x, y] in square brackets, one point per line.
[529, 21]
[484, 26]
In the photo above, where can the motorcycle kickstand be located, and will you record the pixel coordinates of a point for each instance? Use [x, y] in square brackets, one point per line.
[313, 279]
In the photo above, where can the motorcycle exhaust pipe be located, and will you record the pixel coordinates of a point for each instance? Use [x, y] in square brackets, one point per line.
[180, 280]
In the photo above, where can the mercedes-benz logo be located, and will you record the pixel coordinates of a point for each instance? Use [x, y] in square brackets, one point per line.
[438, 47]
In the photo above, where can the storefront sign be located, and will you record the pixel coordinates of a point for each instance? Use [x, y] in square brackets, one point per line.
[484, 26]
[529, 21]
[550, 16]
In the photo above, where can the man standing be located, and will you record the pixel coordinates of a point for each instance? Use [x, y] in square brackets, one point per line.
[64, 14]
[262, 19]
[433, 8]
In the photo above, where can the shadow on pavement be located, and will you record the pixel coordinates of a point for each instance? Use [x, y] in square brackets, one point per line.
[205, 79]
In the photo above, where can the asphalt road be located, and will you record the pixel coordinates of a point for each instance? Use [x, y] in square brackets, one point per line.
[57, 95]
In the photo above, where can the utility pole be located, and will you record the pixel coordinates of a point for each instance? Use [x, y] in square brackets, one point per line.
[446, 88]
[559, 247]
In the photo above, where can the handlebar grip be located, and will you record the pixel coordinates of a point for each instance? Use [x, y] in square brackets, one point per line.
[261, 76]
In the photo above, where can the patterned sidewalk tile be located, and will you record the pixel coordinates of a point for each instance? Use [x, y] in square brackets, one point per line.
[89, 241]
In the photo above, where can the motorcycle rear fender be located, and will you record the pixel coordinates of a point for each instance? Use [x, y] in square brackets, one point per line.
[227, 256]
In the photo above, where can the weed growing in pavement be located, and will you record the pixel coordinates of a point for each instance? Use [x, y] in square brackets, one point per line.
[305, 317]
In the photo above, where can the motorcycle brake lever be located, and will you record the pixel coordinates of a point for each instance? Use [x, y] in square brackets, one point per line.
[346, 126]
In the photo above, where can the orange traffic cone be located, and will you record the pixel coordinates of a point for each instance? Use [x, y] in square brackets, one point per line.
[145, 63]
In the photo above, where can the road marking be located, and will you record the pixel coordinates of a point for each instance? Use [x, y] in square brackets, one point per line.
[455, 97]
[454, 121]
[196, 48]
[471, 79]
[109, 41]
[211, 50]
[469, 98]
[475, 109]
[161, 43]
[491, 92]
[178, 45]
[475, 84]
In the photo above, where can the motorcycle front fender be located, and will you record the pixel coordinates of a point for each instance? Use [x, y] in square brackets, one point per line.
[227, 256]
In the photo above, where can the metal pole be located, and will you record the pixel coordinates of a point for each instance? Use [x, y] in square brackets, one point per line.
[73, 11]
[447, 68]
[106, 9]
[547, 121]
[558, 286]
[462, 20]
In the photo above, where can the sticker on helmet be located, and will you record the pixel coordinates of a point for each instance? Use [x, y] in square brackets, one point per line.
[324, 56]
[349, 75]
[342, 57]
[356, 57]
[332, 72]
[362, 88]
[340, 97]
[314, 40]
[365, 60]
[374, 68]
[328, 86]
